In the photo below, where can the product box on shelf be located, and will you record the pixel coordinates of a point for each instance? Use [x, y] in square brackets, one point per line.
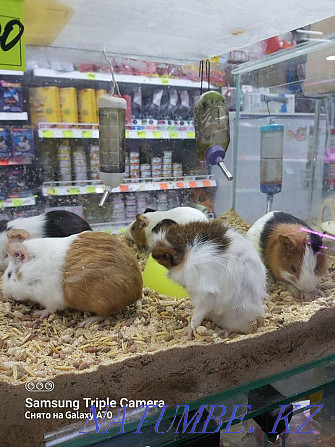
[22, 142]
[5, 143]
[11, 99]
[44, 105]
[87, 106]
[68, 105]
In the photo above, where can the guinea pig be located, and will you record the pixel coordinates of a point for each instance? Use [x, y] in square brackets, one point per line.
[90, 271]
[292, 255]
[143, 229]
[220, 269]
[57, 223]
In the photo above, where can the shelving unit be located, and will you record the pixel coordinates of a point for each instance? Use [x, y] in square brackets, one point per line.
[59, 189]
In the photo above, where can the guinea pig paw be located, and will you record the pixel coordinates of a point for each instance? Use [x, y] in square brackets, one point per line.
[87, 323]
[189, 333]
[42, 313]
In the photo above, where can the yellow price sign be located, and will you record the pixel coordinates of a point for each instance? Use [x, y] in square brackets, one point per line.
[91, 189]
[52, 192]
[156, 134]
[141, 134]
[190, 134]
[1, 204]
[68, 133]
[165, 81]
[73, 191]
[91, 76]
[173, 134]
[17, 202]
[12, 48]
[87, 134]
[47, 134]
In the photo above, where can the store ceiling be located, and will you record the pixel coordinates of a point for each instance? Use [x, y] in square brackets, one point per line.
[171, 30]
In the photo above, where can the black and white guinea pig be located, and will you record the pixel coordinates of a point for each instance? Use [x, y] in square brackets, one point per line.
[91, 271]
[292, 255]
[220, 269]
[143, 229]
[56, 223]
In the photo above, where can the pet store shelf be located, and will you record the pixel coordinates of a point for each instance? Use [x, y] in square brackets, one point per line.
[55, 189]
[87, 131]
[13, 116]
[129, 79]
[21, 201]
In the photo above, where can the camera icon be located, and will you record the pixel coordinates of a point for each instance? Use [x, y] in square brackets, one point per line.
[40, 386]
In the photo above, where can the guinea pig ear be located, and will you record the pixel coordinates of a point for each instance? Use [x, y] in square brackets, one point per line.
[18, 235]
[166, 256]
[19, 252]
[141, 220]
[286, 242]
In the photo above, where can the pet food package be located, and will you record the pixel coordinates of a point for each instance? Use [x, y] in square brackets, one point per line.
[44, 105]
[87, 106]
[11, 98]
[23, 142]
[5, 143]
[68, 105]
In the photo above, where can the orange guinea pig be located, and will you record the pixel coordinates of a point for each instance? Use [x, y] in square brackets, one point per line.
[288, 250]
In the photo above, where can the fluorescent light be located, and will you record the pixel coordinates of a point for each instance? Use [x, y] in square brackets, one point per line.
[307, 31]
[330, 58]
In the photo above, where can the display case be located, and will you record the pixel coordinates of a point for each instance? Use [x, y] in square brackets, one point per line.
[55, 374]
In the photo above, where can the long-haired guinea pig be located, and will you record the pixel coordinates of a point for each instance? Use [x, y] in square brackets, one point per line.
[143, 229]
[51, 224]
[292, 255]
[90, 271]
[220, 269]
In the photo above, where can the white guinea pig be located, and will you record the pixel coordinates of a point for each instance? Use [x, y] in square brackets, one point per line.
[56, 223]
[143, 229]
[90, 271]
[292, 255]
[220, 269]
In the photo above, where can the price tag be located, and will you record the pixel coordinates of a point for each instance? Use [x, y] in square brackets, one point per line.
[17, 202]
[87, 134]
[141, 134]
[91, 189]
[190, 134]
[206, 183]
[68, 133]
[73, 191]
[180, 184]
[156, 134]
[91, 76]
[165, 81]
[124, 188]
[47, 134]
[173, 134]
[12, 33]
[163, 186]
[192, 184]
[1, 204]
[52, 192]
[127, 133]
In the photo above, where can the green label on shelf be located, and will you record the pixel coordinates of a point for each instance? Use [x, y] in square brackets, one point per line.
[91, 75]
[73, 191]
[165, 81]
[1, 204]
[47, 134]
[12, 48]
[91, 189]
[127, 133]
[17, 202]
[68, 133]
[86, 134]
[173, 134]
[52, 192]
[141, 134]
[156, 134]
[190, 134]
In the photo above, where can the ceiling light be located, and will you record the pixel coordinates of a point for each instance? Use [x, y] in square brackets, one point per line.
[330, 58]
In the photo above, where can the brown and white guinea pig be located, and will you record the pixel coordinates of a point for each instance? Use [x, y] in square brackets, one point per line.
[220, 269]
[56, 223]
[90, 271]
[292, 255]
[143, 229]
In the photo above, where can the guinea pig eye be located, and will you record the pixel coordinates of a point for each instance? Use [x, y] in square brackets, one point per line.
[9, 274]
[294, 268]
